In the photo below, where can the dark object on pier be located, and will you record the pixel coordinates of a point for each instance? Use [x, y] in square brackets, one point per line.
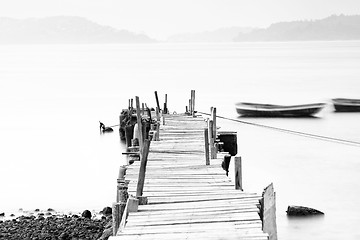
[229, 140]
[269, 110]
[225, 163]
[346, 105]
[86, 214]
[302, 211]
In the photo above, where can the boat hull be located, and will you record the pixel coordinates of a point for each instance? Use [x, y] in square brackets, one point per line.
[346, 105]
[268, 110]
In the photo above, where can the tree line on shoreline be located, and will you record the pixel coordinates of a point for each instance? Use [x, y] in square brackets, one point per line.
[70, 29]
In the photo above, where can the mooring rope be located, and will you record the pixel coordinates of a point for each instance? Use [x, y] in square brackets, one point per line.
[304, 134]
[114, 125]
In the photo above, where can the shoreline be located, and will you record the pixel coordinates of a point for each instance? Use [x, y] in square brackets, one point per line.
[51, 224]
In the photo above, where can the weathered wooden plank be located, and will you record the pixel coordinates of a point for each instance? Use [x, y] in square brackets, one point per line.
[188, 199]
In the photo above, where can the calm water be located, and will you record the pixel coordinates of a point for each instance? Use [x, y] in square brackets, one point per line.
[52, 97]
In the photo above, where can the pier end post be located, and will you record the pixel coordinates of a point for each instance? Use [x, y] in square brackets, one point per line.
[268, 212]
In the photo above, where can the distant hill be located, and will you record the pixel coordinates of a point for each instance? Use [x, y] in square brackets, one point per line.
[64, 29]
[220, 35]
[332, 28]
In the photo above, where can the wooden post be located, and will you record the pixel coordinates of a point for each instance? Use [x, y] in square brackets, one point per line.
[143, 161]
[116, 217]
[133, 204]
[193, 102]
[211, 138]
[117, 213]
[213, 114]
[157, 114]
[190, 107]
[206, 135]
[129, 132]
[157, 134]
[165, 105]
[238, 173]
[122, 188]
[122, 172]
[157, 100]
[139, 124]
[268, 212]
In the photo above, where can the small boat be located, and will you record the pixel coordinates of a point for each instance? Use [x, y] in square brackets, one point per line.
[346, 105]
[270, 110]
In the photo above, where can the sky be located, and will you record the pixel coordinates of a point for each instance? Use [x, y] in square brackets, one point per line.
[162, 18]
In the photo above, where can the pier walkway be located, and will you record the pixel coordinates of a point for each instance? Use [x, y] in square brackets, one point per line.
[188, 199]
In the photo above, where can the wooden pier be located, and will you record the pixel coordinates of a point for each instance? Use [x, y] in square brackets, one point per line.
[184, 194]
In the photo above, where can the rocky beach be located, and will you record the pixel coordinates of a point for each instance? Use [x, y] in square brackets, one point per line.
[52, 225]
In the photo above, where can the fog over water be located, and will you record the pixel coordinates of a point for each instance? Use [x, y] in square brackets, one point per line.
[52, 97]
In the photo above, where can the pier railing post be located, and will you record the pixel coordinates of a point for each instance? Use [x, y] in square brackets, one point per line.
[138, 115]
[121, 199]
[213, 115]
[268, 212]
[143, 161]
[157, 134]
[211, 138]
[157, 100]
[157, 114]
[206, 136]
[165, 105]
[190, 107]
[193, 103]
[238, 173]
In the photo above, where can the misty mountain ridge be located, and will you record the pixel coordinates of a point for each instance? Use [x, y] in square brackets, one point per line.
[64, 29]
[72, 29]
[219, 35]
[335, 27]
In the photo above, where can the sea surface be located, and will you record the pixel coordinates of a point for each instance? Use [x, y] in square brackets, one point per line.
[52, 98]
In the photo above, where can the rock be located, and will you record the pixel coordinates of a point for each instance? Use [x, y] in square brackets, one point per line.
[107, 211]
[302, 211]
[64, 236]
[86, 214]
[52, 227]
[2, 214]
[50, 210]
[106, 234]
